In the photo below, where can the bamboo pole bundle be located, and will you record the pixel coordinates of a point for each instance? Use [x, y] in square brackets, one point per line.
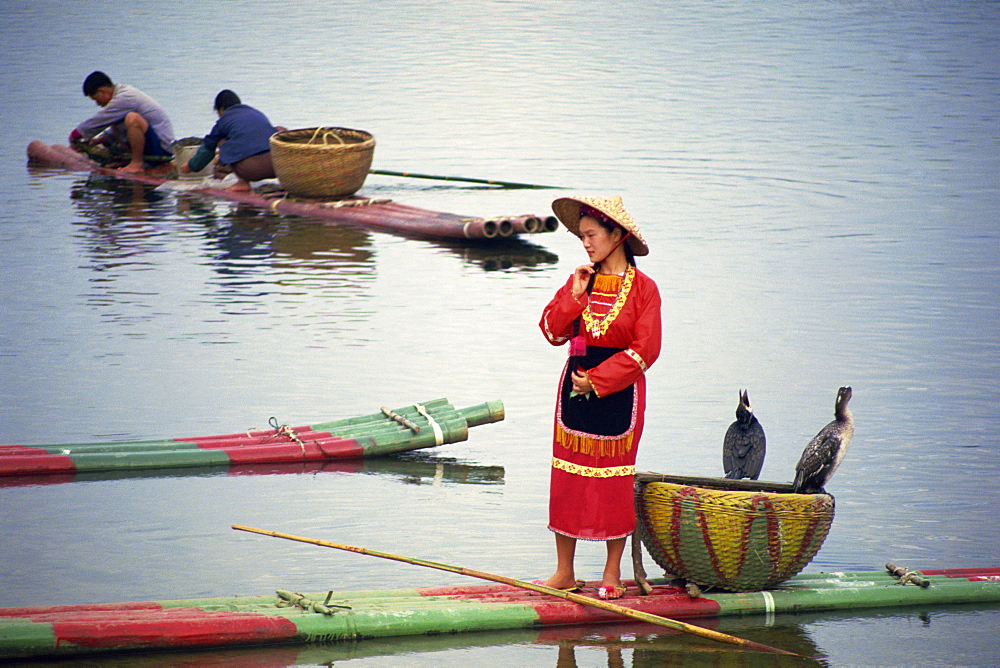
[352, 438]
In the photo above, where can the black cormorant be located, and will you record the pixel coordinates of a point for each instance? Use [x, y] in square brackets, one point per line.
[743, 447]
[826, 450]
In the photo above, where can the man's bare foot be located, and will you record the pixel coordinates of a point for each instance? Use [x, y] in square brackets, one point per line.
[133, 168]
[240, 187]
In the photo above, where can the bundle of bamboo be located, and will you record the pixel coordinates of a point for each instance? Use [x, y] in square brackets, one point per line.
[372, 435]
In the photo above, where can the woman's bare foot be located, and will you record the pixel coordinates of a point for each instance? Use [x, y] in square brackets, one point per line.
[610, 592]
[558, 581]
[134, 168]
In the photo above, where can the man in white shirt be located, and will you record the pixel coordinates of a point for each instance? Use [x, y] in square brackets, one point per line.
[129, 118]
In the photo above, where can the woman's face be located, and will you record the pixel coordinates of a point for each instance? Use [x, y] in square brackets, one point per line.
[597, 241]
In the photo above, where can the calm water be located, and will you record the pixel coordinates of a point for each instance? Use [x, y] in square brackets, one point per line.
[819, 184]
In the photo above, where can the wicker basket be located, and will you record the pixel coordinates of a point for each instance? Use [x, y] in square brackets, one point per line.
[731, 539]
[322, 162]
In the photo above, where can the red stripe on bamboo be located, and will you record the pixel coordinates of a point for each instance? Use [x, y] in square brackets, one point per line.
[22, 459]
[176, 627]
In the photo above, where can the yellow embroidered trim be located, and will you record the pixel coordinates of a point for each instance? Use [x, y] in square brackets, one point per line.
[606, 446]
[591, 472]
[638, 360]
[599, 326]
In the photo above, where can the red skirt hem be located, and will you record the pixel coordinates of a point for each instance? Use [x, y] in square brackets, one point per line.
[596, 540]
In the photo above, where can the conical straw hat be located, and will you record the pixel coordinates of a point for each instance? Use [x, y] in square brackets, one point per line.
[567, 210]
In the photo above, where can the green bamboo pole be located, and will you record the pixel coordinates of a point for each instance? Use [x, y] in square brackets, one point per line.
[465, 179]
[484, 413]
[569, 596]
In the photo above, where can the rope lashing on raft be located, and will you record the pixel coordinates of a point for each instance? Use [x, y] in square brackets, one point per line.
[288, 599]
[279, 430]
[275, 200]
[906, 576]
[273, 204]
[438, 435]
[393, 415]
[347, 203]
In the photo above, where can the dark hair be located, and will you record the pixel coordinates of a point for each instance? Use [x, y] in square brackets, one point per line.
[225, 99]
[608, 224]
[95, 81]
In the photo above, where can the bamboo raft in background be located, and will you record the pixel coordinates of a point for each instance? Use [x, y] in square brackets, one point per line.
[365, 436]
[383, 215]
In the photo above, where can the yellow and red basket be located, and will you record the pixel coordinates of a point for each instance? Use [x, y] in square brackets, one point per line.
[734, 539]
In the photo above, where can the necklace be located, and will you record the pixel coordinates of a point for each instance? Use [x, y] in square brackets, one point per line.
[598, 326]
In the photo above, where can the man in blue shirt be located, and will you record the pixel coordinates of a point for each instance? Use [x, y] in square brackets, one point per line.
[242, 135]
[128, 117]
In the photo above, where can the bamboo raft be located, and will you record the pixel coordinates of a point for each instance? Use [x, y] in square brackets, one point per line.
[287, 617]
[384, 215]
[387, 432]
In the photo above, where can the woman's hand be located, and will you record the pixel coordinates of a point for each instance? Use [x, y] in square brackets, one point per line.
[581, 278]
[581, 382]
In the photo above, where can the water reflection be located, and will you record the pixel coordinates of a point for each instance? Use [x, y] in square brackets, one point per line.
[238, 232]
[121, 220]
[612, 645]
[408, 468]
[511, 253]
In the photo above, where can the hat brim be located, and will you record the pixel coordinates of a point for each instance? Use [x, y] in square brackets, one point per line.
[567, 210]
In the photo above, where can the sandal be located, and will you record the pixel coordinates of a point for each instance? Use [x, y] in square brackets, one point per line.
[577, 586]
[611, 593]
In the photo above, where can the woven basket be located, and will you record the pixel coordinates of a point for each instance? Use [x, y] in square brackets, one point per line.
[735, 540]
[322, 162]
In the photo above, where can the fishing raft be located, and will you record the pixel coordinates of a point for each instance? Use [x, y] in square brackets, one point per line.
[387, 432]
[289, 617]
[379, 214]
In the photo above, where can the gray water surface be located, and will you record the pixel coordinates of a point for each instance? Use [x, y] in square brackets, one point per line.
[819, 186]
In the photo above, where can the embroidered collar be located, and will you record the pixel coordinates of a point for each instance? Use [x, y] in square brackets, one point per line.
[598, 326]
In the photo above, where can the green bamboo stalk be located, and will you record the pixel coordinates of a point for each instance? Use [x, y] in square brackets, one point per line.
[485, 413]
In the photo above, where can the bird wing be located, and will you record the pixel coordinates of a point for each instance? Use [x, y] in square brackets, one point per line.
[813, 469]
[729, 447]
[755, 456]
[743, 451]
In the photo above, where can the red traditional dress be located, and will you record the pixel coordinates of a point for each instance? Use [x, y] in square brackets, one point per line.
[596, 436]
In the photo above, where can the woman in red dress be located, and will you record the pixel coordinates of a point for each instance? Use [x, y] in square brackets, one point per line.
[609, 312]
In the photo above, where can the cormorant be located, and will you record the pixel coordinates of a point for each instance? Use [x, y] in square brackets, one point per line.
[826, 450]
[744, 444]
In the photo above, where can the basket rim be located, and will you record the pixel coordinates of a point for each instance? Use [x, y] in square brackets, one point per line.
[362, 138]
[721, 484]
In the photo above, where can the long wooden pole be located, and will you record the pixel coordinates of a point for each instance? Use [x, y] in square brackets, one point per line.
[569, 596]
[465, 179]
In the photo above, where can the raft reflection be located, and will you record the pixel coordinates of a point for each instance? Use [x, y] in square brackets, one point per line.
[409, 468]
[613, 645]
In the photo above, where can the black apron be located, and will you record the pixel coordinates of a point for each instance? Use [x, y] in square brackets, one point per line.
[604, 416]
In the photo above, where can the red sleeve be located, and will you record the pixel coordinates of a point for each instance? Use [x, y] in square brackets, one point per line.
[624, 368]
[557, 318]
